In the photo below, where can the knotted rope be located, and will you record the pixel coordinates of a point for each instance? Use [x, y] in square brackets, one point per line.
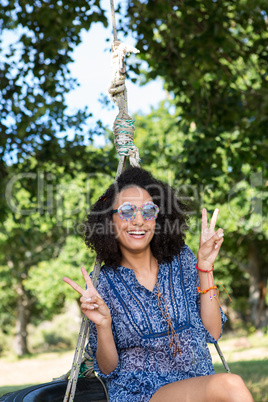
[123, 125]
[80, 355]
[123, 139]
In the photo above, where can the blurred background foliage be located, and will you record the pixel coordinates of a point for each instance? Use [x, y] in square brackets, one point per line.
[208, 139]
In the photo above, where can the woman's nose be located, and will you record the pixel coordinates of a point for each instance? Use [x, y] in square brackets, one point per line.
[138, 218]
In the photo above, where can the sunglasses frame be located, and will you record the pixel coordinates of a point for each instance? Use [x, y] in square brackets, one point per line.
[136, 209]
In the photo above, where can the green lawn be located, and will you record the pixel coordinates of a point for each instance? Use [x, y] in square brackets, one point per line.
[249, 360]
[255, 375]
[11, 388]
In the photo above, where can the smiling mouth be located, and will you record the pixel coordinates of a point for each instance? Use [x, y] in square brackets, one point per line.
[136, 233]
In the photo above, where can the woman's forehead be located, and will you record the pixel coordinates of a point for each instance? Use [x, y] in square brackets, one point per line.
[135, 195]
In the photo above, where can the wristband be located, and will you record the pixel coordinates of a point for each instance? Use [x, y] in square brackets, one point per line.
[203, 270]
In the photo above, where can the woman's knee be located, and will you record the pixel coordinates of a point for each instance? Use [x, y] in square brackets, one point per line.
[231, 388]
[234, 382]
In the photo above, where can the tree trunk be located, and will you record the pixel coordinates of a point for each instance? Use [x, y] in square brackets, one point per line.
[256, 308]
[20, 341]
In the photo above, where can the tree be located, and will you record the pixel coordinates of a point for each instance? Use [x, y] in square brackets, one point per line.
[242, 268]
[47, 206]
[212, 57]
[211, 141]
[34, 78]
[34, 73]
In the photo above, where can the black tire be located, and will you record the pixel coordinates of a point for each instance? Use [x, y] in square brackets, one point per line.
[87, 390]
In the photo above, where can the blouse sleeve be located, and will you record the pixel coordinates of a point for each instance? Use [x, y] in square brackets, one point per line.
[91, 347]
[194, 275]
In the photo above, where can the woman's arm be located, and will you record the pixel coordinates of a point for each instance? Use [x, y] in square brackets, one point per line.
[97, 311]
[209, 307]
[210, 243]
[107, 356]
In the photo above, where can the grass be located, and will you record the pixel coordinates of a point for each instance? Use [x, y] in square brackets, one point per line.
[246, 356]
[12, 388]
[254, 374]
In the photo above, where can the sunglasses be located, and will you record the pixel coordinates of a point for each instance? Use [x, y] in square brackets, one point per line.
[128, 211]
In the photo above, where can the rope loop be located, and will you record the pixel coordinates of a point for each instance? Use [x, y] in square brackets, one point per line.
[123, 125]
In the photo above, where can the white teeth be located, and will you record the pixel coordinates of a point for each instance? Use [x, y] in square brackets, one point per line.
[137, 233]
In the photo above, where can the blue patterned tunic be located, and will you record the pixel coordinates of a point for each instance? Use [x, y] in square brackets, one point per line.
[146, 362]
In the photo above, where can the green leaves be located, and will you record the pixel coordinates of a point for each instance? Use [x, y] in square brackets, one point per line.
[210, 141]
[214, 170]
[41, 238]
[34, 74]
[211, 56]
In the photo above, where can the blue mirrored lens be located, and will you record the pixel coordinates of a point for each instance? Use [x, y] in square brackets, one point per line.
[127, 211]
[149, 211]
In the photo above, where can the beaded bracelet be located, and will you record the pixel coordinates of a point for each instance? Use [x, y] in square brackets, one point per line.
[207, 290]
[210, 280]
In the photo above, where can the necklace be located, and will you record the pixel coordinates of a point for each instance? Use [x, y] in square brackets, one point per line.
[172, 334]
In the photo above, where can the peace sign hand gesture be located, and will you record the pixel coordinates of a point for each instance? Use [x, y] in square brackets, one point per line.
[92, 304]
[210, 241]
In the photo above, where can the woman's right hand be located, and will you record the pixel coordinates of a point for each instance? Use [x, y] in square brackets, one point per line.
[92, 304]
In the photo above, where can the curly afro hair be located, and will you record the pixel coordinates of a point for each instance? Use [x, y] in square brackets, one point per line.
[171, 223]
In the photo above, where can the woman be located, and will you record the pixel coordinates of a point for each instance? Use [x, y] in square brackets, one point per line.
[155, 306]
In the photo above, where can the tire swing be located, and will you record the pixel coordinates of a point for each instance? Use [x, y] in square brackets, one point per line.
[81, 384]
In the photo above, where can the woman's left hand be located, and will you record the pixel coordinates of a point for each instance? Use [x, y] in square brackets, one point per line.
[210, 241]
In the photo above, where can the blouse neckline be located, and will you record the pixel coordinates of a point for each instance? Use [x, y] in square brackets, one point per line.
[130, 277]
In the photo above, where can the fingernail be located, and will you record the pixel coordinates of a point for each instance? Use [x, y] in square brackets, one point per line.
[220, 234]
[88, 299]
[95, 305]
[216, 246]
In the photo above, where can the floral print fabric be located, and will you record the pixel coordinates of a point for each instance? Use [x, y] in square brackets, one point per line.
[146, 361]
